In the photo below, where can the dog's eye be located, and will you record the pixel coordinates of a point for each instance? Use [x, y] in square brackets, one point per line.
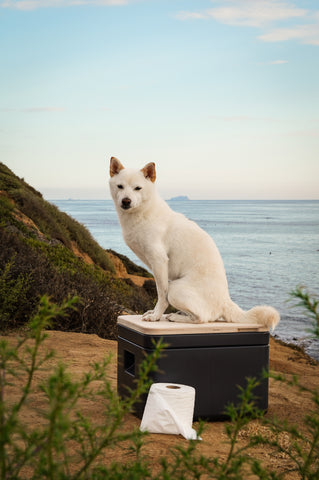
[138, 188]
[120, 187]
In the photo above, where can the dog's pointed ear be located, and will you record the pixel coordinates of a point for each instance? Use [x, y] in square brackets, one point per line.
[115, 166]
[149, 171]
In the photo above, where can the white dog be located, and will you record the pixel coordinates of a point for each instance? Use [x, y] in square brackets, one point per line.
[185, 261]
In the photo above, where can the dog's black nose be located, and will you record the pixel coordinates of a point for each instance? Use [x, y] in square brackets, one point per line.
[126, 203]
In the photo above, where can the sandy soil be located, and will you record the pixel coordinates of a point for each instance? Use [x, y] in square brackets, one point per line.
[79, 350]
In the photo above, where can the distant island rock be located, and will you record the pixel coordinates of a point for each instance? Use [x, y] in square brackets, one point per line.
[180, 198]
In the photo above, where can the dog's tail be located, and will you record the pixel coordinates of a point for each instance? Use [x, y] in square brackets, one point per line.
[263, 315]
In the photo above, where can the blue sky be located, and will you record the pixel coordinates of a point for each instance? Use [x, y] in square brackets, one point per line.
[223, 95]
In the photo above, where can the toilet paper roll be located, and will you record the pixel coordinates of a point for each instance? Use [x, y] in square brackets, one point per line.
[169, 408]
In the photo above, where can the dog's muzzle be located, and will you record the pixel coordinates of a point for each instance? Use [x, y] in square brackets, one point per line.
[126, 203]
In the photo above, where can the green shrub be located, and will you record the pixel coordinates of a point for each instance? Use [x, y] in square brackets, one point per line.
[44, 452]
[13, 295]
[309, 302]
[55, 271]
[8, 180]
[303, 446]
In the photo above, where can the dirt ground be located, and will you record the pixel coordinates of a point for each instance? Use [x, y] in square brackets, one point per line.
[77, 351]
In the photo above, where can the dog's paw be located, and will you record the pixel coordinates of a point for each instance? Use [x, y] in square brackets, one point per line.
[179, 317]
[150, 316]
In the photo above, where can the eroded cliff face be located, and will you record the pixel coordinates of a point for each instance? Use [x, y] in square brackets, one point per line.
[122, 272]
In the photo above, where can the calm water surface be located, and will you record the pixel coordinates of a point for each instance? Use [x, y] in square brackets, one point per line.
[268, 248]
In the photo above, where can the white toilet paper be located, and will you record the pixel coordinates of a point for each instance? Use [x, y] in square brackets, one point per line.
[169, 409]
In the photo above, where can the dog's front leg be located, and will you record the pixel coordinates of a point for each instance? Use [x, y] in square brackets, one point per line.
[160, 272]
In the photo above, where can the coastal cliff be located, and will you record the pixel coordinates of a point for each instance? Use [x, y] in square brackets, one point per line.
[45, 251]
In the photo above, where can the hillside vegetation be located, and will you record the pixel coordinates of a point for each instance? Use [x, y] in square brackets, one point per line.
[45, 251]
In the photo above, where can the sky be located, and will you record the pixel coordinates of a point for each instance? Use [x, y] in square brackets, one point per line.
[223, 95]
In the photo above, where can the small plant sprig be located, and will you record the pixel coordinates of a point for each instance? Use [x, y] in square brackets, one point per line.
[21, 361]
[302, 445]
[310, 303]
[187, 463]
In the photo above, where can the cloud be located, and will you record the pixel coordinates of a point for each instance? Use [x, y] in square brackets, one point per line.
[278, 62]
[273, 62]
[305, 133]
[242, 118]
[34, 109]
[43, 109]
[264, 14]
[35, 4]
[250, 13]
[255, 14]
[190, 15]
[306, 34]
[234, 118]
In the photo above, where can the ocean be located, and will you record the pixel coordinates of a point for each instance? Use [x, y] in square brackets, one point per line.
[268, 248]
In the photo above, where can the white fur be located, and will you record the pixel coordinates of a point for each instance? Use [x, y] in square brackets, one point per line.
[185, 261]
